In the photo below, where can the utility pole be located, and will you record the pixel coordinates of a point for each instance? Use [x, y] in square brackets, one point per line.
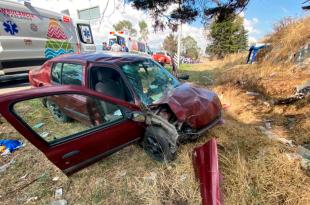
[179, 43]
[179, 40]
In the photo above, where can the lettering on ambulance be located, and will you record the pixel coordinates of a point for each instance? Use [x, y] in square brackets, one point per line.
[16, 14]
[57, 41]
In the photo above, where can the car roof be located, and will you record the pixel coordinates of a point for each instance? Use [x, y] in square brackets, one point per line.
[108, 57]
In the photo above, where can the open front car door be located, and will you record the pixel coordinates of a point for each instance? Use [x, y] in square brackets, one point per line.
[73, 126]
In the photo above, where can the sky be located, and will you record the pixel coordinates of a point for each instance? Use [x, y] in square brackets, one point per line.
[261, 15]
[259, 18]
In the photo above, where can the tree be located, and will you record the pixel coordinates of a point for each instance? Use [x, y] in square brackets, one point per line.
[188, 10]
[190, 47]
[125, 25]
[227, 37]
[170, 44]
[144, 32]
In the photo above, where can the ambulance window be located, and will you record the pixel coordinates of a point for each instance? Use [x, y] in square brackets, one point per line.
[56, 73]
[85, 33]
[72, 74]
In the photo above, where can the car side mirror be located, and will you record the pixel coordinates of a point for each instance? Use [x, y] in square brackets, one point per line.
[138, 117]
[183, 76]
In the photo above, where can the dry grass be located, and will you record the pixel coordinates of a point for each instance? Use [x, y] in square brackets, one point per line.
[288, 39]
[256, 170]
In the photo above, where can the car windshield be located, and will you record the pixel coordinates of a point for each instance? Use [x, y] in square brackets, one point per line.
[149, 80]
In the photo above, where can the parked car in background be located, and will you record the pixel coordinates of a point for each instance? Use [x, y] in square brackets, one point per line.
[162, 57]
[31, 35]
[91, 105]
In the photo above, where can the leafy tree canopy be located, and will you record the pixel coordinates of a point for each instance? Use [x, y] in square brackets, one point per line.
[227, 37]
[144, 32]
[170, 44]
[190, 47]
[170, 12]
[125, 25]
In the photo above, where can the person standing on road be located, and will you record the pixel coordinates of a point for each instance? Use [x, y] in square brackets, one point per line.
[174, 66]
[105, 46]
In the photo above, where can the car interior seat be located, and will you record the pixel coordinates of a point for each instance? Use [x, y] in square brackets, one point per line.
[109, 84]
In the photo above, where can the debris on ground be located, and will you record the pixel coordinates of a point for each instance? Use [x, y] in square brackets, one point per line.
[183, 177]
[272, 74]
[305, 164]
[252, 93]
[274, 137]
[55, 179]
[292, 156]
[301, 92]
[5, 166]
[24, 177]
[31, 199]
[304, 152]
[121, 174]
[267, 104]
[44, 134]
[303, 89]
[268, 125]
[226, 106]
[59, 202]
[151, 178]
[9, 146]
[58, 193]
[39, 125]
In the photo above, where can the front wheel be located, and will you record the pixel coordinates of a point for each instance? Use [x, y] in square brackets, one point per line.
[156, 145]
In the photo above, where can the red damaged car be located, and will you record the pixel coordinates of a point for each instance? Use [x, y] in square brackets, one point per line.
[162, 57]
[87, 106]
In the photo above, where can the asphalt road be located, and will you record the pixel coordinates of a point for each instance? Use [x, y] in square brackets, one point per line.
[13, 86]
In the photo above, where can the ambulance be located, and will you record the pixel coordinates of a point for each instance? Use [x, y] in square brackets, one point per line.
[131, 43]
[29, 36]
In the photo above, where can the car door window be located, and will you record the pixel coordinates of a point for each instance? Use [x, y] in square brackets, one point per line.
[56, 73]
[72, 74]
[58, 119]
[67, 73]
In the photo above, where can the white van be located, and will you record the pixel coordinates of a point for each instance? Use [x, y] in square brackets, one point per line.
[29, 36]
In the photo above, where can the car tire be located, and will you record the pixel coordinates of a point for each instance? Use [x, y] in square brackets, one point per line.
[156, 145]
[56, 112]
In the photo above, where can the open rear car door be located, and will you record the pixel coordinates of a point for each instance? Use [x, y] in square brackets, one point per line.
[73, 126]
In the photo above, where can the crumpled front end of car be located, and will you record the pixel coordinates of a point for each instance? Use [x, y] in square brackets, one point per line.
[196, 107]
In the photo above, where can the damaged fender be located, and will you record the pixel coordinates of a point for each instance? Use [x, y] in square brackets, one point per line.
[205, 161]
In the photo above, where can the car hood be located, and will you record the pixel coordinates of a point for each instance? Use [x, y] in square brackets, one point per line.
[192, 104]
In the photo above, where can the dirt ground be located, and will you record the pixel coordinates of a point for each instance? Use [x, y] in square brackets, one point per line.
[255, 169]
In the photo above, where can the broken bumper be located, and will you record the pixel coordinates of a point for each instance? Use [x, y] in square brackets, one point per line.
[205, 161]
